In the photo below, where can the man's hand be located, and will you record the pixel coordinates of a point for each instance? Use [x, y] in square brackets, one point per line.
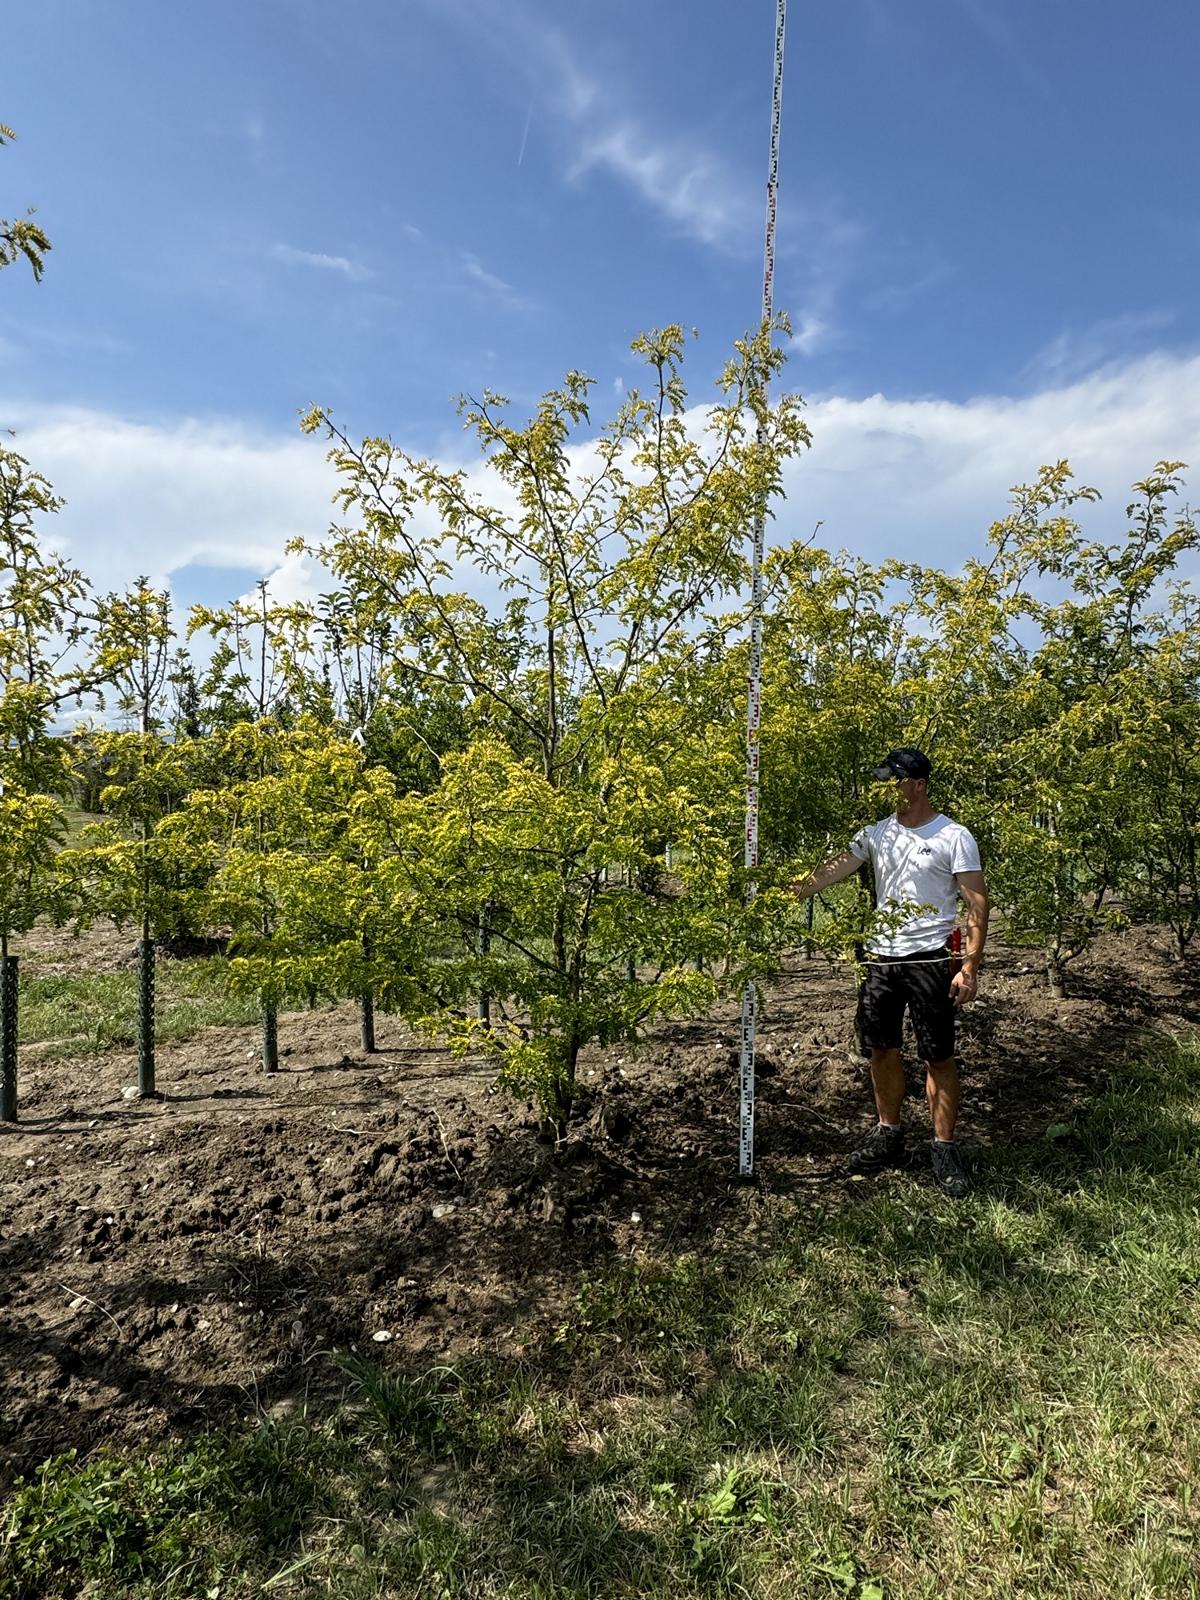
[964, 986]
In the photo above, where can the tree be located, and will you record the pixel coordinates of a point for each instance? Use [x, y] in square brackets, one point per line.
[1062, 800]
[260, 674]
[120, 867]
[23, 238]
[584, 760]
[298, 832]
[47, 622]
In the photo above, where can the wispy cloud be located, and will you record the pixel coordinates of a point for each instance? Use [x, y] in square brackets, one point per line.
[490, 283]
[478, 273]
[989, 20]
[905, 289]
[1075, 352]
[691, 188]
[808, 333]
[690, 185]
[525, 134]
[819, 253]
[353, 270]
[25, 332]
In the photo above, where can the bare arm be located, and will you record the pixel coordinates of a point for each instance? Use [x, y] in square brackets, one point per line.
[835, 870]
[965, 984]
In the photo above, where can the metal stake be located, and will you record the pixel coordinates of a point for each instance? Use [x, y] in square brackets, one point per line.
[146, 1008]
[8, 1038]
[270, 1039]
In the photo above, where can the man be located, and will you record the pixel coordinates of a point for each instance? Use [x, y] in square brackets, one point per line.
[920, 857]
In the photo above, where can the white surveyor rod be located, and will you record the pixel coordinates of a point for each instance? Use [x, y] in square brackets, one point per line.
[754, 696]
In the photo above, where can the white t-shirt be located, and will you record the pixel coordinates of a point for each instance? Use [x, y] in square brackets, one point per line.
[916, 864]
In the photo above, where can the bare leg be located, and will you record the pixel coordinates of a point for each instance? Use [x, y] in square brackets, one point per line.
[887, 1079]
[941, 1090]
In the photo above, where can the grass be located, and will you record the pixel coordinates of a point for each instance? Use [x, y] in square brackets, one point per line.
[901, 1400]
[98, 1010]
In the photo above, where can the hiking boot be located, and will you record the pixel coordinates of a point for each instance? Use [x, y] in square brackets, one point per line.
[883, 1147]
[948, 1172]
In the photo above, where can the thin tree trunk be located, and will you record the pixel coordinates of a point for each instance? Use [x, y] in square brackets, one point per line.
[564, 1090]
[485, 946]
[1056, 973]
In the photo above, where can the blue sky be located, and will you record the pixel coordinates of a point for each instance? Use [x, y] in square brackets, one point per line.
[989, 243]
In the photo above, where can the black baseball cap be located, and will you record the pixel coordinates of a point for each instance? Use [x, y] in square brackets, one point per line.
[906, 762]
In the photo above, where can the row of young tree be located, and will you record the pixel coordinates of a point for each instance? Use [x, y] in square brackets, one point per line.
[492, 780]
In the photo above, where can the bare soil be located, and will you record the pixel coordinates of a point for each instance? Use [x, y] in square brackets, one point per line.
[166, 1264]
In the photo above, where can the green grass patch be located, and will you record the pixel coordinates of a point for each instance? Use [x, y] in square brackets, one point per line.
[77, 819]
[98, 1010]
[903, 1399]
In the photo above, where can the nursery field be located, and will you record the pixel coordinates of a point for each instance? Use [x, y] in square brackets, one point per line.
[485, 1311]
[379, 1323]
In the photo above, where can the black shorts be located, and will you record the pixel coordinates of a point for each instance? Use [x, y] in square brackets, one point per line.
[922, 983]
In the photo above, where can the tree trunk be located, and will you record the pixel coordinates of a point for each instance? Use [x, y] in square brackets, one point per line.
[564, 1090]
[1056, 974]
[809, 916]
[485, 946]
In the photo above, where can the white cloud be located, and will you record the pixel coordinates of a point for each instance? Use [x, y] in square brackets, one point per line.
[353, 270]
[924, 479]
[298, 578]
[492, 285]
[919, 478]
[809, 332]
[478, 273]
[678, 174]
[146, 497]
[689, 186]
